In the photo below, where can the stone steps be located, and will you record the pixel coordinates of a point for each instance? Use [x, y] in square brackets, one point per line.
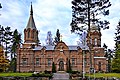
[61, 76]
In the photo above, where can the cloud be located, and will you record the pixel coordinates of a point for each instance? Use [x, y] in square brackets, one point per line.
[50, 15]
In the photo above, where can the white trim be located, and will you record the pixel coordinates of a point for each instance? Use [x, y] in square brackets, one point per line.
[100, 57]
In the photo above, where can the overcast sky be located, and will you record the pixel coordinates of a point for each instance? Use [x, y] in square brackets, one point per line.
[50, 15]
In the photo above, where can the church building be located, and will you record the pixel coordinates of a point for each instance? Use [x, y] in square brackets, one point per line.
[32, 57]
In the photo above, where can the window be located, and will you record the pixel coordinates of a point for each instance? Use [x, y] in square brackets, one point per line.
[24, 61]
[73, 61]
[95, 41]
[33, 34]
[37, 61]
[28, 33]
[99, 66]
[91, 41]
[49, 62]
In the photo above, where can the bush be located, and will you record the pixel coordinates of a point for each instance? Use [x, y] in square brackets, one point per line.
[41, 75]
[1, 70]
[53, 68]
[73, 72]
[47, 72]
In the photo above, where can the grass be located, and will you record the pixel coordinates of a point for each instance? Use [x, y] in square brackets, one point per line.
[23, 75]
[15, 74]
[98, 75]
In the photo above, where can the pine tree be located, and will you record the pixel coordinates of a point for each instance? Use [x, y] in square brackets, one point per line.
[16, 41]
[1, 34]
[82, 10]
[53, 68]
[116, 59]
[57, 38]
[85, 12]
[7, 39]
[69, 69]
[109, 56]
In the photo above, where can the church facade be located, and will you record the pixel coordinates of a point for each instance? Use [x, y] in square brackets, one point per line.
[32, 57]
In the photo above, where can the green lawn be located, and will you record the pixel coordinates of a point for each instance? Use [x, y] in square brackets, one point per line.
[96, 75]
[104, 75]
[15, 74]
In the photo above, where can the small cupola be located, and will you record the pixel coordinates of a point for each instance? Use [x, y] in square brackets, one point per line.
[94, 27]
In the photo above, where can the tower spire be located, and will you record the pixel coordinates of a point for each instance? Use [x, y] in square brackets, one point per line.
[31, 11]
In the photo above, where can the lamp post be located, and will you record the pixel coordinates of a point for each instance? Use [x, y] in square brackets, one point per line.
[84, 48]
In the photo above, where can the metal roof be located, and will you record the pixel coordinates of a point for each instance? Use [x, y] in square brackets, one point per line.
[49, 47]
[31, 23]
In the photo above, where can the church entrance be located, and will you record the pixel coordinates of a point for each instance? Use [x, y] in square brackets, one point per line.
[61, 66]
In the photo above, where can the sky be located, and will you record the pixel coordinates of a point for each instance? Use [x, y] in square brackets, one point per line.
[50, 15]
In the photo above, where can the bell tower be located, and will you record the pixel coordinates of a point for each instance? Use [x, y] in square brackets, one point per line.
[94, 38]
[31, 32]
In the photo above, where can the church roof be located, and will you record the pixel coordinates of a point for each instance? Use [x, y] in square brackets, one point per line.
[73, 47]
[50, 47]
[31, 23]
[38, 48]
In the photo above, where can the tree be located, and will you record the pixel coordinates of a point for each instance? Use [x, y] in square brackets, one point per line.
[4, 63]
[49, 40]
[16, 41]
[57, 38]
[82, 10]
[1, 35]
[109, 56]
[53, 68]
[69, 69]
[0, 5]
[86, 11]
[116, 59]
[7, 39]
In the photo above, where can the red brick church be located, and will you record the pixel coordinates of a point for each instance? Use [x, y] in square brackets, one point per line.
[33, 57]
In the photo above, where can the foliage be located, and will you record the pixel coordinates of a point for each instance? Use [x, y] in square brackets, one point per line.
[109, 56]
[5, 38]
[4, 63]
[49, 40]
[98, 75]
[16, 41]
[11, 41]
[12, 67]
[69, 69]
[86, 11]
[41, 75]
[57, 38]
[53, 68]
[116, 59]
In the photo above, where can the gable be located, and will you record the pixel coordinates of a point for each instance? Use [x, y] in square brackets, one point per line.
[61, 45]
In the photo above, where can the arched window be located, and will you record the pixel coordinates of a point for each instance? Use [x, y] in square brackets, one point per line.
[95, 41]
[33, 34]
[24, 61]
[99, 66]
[28, 33]
[90, 40]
